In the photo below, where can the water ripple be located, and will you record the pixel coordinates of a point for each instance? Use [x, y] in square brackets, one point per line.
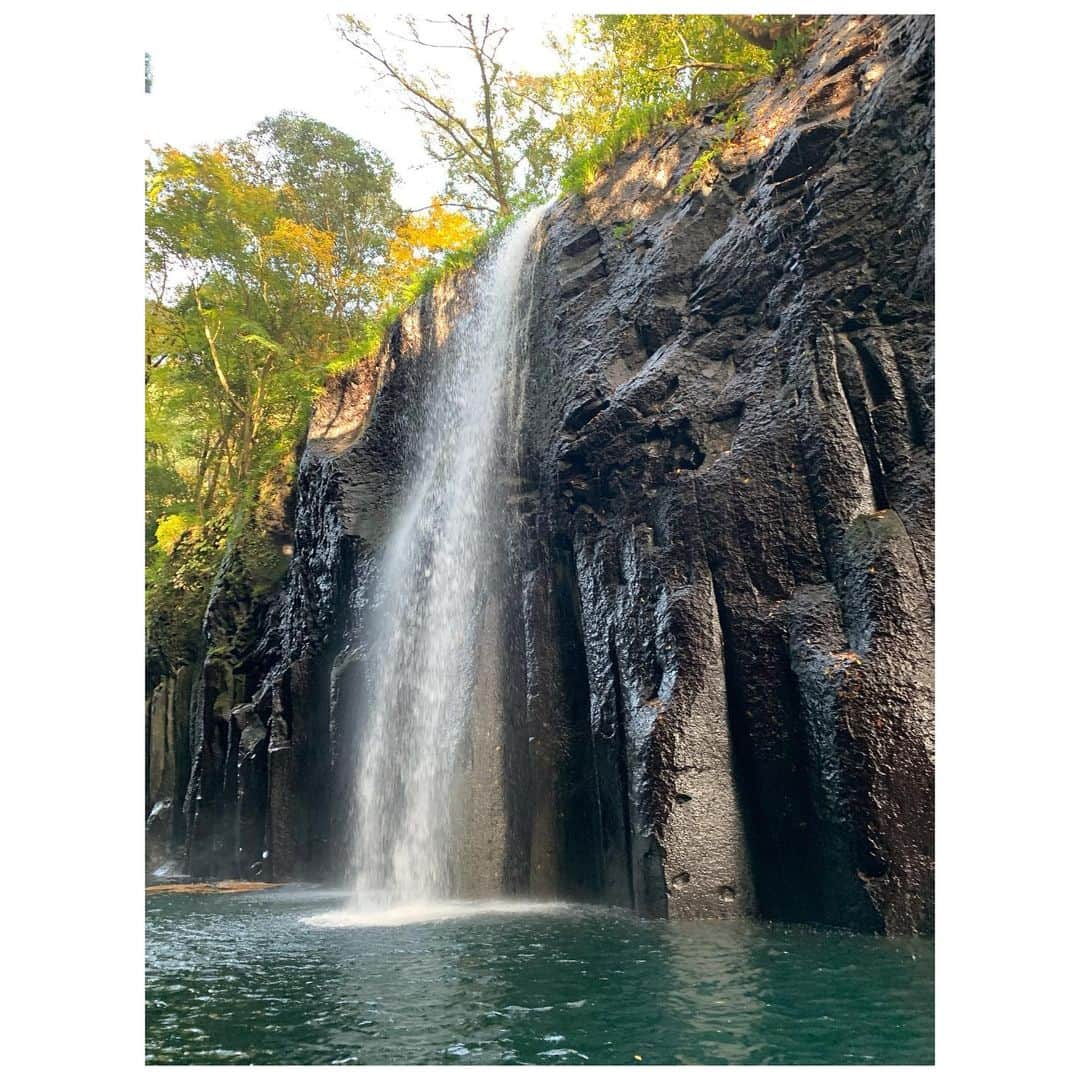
[242, 979]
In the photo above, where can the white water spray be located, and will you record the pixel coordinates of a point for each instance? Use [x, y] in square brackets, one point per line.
[432, 585]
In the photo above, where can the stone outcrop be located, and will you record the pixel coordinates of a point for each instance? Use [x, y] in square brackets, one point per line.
[716, 582]
[167, 765]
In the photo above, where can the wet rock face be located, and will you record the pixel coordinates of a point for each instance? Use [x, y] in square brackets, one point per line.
[716, 585]
[167, 764]
[732, 423]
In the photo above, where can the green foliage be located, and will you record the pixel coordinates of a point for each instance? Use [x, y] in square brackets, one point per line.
[178, 587]
[698, 167]
[582, 170]
[420, 284]
[170, 529]
[791, 48]
[734, 121]
[338, 185]
[644, 70]
[263, 261]
[646, 57]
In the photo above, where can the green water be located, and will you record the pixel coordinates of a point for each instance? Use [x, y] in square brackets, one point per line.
[243, 979]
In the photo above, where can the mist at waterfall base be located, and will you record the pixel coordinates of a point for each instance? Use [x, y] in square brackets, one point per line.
[246, 978]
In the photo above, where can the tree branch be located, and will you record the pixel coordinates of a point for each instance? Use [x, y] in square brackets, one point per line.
[522, 96]
[695, 65]
[441, 203]
[211, 340]
[413, 87]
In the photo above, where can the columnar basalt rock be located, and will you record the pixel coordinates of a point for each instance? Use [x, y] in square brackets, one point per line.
[167, 765]
[717, 575]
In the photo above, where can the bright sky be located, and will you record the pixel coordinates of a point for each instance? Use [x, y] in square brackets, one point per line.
[219, 71]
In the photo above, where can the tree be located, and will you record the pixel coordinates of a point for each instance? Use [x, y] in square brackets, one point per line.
[337, 184]
[263, 259]
[491, 149]
[244, 323]
[614, 65]
[420, 241]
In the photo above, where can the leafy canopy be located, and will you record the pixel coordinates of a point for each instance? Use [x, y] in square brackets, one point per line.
[264, 257]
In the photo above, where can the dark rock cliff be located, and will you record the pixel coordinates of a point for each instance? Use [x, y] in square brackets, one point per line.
[716, 584]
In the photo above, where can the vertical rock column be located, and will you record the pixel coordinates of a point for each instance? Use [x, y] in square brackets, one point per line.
[671, 825]
[167, 767]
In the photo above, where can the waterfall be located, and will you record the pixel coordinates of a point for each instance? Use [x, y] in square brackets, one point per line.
[433, 581]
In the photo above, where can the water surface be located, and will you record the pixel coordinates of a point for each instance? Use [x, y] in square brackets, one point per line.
[244, 979]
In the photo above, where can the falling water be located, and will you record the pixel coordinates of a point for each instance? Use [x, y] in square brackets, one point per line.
[436, 568]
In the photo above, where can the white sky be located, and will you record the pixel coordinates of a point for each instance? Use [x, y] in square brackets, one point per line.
[218, 71]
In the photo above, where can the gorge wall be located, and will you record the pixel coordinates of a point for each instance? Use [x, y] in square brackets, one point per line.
[715, 582]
